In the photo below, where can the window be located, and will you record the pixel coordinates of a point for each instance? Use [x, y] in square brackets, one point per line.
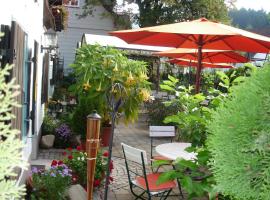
[71, 3]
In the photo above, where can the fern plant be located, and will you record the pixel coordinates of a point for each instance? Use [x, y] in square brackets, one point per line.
[239, 139]
[10, 144]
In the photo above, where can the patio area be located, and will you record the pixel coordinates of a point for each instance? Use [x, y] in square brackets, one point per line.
[136, 135]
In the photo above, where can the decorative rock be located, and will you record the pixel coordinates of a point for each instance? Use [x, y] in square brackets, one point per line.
[47, 141]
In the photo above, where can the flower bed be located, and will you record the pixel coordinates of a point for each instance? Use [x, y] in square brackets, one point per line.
[53, 182]
[76, 159]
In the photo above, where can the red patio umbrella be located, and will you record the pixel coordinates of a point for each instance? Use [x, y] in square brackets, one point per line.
[198, 34]
[190, 63]
[208, 55]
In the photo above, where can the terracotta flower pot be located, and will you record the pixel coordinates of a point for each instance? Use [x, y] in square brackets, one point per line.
[105, 136]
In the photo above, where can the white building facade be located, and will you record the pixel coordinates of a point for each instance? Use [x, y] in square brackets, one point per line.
[92, 24]
[23, 23]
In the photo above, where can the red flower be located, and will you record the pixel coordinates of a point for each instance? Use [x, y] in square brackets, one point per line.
[70, 157]
[79, 148]
[96, 183]
[60, 162]
[64, 153]
[54, 163]
[69, 149]
[111, 166]
[111, 179]
[106, 154]
[74, 178]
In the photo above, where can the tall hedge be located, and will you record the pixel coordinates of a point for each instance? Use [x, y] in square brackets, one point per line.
[239, 140]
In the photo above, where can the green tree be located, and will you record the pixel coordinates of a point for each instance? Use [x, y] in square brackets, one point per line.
[239, 139]
[170, 11]
[156, 12]
[251, 20]
[10, 144]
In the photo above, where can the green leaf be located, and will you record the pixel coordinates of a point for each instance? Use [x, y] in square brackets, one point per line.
[170, 83]
[166, 87]
[186, 182]
[186, 164]
[158, 163]
[174, 80]
[166, 176]
[239, 79]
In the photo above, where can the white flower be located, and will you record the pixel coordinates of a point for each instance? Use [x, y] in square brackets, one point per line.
[194, 109]
[82, 158]
[78, 158]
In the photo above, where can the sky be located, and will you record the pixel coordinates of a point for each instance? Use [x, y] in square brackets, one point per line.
[254, 4]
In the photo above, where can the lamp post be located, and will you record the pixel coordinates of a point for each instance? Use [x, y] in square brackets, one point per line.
[50, 41]
[92, 145]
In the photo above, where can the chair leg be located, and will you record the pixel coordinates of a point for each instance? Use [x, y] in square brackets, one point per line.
[179, 185]
[139, 196]
[168, 193]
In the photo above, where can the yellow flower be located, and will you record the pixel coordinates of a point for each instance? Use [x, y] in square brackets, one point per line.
[99, 87]
[86, 86]
[143, 76]
[130, 80]
[115, 69]
[145, 94]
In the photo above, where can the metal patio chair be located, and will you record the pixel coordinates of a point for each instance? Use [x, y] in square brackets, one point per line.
[138, 178]
[158, 132]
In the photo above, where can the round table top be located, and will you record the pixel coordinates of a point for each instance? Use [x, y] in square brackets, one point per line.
[175, 150]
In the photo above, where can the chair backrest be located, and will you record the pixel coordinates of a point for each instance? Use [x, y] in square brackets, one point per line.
[161, 131]
[134, 154]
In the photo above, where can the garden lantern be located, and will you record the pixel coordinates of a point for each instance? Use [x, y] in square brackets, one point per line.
[92, 145]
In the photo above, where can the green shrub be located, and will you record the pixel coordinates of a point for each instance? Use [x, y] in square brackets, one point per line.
[85, 107]
[157, 112]
[49, 125]
[11, 158]
[239, 140]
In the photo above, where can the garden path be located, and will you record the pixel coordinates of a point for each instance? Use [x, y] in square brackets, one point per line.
[135, 134]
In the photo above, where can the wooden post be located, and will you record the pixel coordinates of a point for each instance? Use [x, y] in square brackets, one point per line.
[92, 145]
[199, 68]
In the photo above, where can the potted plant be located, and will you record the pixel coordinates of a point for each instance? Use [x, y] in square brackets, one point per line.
[104, 75]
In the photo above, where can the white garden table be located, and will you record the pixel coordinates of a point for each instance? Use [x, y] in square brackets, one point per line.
[175, 150]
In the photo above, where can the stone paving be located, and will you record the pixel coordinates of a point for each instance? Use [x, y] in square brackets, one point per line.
[136, 135]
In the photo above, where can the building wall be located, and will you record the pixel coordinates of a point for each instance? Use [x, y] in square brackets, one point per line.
[68, 38]
[29, 15]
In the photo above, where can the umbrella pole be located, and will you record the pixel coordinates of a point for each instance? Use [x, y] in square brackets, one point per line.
[199, 68]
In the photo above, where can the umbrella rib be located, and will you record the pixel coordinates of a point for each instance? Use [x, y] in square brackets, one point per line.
[227, 44]
[258, 41]
[216, 38]
[236, 59]
[208, 55]
[187, 38]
